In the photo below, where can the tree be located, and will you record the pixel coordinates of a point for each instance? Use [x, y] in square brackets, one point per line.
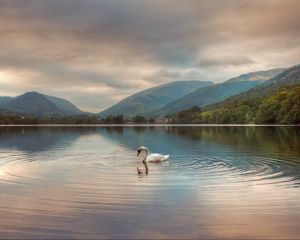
[139, 119]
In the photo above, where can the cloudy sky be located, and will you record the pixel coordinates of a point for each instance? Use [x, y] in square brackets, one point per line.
[95, 52]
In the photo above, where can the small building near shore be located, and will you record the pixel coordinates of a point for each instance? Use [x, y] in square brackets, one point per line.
[161, 120]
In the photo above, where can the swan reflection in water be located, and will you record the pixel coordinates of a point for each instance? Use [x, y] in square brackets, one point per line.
[154, 157]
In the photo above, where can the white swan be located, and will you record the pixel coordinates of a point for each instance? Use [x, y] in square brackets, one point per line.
[154, 157]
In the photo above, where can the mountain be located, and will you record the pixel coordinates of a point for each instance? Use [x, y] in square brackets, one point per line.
[277, 101]
[277, 106]
[67, 107]
[286, 78]
[36, 104]
[144, 102]
[218, 92]
[257, 76]
[290, 76]
[5, 99]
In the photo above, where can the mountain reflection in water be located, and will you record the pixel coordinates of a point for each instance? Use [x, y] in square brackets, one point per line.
[81, 182]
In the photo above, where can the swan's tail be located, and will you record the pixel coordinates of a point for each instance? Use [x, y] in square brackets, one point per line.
[166, 157]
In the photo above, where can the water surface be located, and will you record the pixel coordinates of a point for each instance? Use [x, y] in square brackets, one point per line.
[81, 182]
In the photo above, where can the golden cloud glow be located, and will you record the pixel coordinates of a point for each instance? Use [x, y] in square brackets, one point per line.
[126, 46]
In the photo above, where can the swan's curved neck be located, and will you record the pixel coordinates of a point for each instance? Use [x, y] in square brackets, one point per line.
[146, 155]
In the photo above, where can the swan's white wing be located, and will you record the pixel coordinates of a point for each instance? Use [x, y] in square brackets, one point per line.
[156, 157]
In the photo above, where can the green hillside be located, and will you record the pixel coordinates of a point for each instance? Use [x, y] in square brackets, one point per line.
[275, 102]
[147, 101]
[218, 92]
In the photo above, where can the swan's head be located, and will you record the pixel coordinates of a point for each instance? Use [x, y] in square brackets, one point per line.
[142, 149]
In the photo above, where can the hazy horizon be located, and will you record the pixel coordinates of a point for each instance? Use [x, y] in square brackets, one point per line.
[95, 53]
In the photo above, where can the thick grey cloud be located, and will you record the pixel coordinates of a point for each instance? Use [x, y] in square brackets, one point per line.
[96, 52]
[229, 60]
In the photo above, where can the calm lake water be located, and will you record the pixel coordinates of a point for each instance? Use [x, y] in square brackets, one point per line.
[81, 182]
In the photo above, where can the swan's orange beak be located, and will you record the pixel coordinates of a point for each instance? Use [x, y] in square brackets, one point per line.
[138, 152]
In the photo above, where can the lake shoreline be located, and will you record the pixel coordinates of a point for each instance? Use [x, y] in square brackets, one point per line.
[149, 125]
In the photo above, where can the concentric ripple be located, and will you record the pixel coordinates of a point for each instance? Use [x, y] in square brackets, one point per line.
[85, 185]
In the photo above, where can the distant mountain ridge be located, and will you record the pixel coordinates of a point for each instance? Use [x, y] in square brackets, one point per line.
[277, 101]
[163, 99]
[149, 100]
[37, 104]
[5, 99]
[257, 76]
[64, 105]
[218, 92]
[288, 77]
